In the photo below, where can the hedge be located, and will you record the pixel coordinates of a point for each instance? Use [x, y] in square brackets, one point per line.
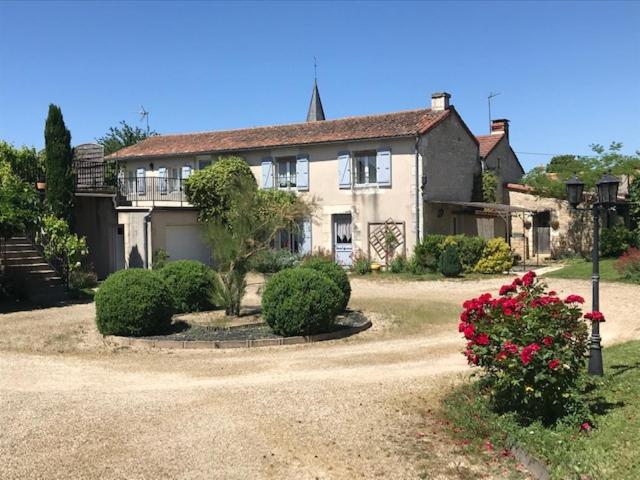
[191, 284]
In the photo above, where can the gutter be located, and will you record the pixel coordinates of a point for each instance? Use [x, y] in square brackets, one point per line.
[417, 189]
[147, 221]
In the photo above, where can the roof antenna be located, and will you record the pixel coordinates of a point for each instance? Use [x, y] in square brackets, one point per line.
[315, 69]
[491, 95]
[144, 115]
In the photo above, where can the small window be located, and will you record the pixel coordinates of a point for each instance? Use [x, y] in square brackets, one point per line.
[203, 164]
[286, 172]
[365, 168]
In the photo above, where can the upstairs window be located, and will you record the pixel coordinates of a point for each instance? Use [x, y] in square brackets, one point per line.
[365, 168]
[286, 172]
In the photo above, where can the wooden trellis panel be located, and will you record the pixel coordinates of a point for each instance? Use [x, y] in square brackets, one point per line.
[377, 237]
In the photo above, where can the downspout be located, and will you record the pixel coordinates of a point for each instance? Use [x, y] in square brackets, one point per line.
[418, 185]
[147, 221]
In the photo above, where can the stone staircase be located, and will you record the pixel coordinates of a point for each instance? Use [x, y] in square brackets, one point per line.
[44, 285]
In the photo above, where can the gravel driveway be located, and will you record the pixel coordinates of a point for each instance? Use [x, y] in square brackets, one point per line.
[75, 408]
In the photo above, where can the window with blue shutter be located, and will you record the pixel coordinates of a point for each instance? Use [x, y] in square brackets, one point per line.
[267, 173]
[383, 167]
[186, 172]
[344, 170]
[302, 172]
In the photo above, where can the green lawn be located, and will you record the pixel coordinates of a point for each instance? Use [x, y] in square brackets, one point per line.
[581, 269]
[609, 451]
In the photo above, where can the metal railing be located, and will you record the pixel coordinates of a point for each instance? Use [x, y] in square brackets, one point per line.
[92, 177]
[144, 191]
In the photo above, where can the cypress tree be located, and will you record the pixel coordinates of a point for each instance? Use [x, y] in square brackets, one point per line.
[57, 140]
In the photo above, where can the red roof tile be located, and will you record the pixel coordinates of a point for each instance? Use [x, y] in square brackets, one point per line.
[488, 143]
[388, 125]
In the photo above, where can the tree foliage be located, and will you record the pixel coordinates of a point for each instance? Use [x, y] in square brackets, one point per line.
[59, 156]
[211, 190]
[19, 204]
[549, 181]
[122, 136]
[489, 186]
[24, 161]
[634, 208]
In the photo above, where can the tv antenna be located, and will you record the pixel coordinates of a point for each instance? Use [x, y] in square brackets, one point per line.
[491, 95]
[144, 115]
[315, 68]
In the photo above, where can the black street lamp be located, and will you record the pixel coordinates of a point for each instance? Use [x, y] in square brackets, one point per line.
[607, 196]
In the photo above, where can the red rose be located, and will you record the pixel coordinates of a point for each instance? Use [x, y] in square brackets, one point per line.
[552, 293]
[594, 316]
[574, 299]
[504, 289]
[527, 353]
[501, 355]
[517, 282]
[553, 364]
[586, 427]
[528, 278]
[547, 341]
[482, 339]
[485, 297]
[469, 331]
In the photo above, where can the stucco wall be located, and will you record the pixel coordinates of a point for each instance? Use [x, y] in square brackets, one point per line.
[504, 162]
[133, 221]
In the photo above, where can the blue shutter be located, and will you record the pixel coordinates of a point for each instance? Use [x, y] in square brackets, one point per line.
[302, 172]
[267, 172]
[344, 170]
[305, 241]
[383, 167]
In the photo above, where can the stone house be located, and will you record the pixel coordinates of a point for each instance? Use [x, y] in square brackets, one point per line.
[408, 172]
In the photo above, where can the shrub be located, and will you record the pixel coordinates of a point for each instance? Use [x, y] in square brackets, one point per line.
[398, 264]
[628, 265]
[133, 302]
[489, 186]
[449, 264]
[414, 267]
[335, 273]
[614, 241]
[427, 252]
[300, 301]
[361, 264]
[60, 244]
[191, 284]
[531, 347]
[470, 249]
[79, 279]
[496, 257]
[272, 261]
[160, 259]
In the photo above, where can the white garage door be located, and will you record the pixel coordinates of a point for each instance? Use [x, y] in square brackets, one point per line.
[185, 242]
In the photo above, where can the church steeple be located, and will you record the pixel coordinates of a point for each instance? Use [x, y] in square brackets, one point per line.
[316, 112]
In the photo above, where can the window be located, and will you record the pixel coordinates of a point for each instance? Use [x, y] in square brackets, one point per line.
[286, 172]
[141, 181]
[162, 177]
[203, 164]
[365, 168]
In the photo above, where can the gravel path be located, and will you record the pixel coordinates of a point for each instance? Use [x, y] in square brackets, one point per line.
[75, 408]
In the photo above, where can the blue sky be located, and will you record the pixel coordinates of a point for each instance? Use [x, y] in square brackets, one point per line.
[568, 73]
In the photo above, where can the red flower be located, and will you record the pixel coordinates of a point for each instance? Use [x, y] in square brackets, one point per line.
[502, 355]
[484, 298]
[504, 289]
[517, 282]
[574, 299]
[510, 347]
[547, 341]
[586, 426]
[553, 364]
[482, 339]
[594, 316]
[469, 331]
[528, 278]
[552, 293]
[527, 353]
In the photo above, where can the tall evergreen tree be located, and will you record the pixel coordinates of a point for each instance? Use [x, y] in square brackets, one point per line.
[57, 139]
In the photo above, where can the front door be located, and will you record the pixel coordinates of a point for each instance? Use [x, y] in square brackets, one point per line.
[342, 239]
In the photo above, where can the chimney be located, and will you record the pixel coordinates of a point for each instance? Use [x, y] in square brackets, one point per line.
[500, 126]
[440, 101]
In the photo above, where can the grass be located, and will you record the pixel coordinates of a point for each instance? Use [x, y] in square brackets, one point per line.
[581, 269]
[609, 451]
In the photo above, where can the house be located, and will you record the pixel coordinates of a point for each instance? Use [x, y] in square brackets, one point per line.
[408, 172]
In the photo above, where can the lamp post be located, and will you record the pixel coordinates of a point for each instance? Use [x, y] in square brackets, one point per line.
[607, 196]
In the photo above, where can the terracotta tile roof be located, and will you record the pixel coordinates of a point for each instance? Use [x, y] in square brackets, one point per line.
[388, 125]
[488, 143]
[519, 187]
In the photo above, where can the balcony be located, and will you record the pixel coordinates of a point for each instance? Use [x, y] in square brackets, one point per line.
[151, 191]
[95, 177]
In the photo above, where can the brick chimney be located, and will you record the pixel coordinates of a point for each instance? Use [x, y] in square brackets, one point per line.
[500, 126]
[440, 101]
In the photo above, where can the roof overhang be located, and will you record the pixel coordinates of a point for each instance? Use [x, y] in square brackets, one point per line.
[493, 207]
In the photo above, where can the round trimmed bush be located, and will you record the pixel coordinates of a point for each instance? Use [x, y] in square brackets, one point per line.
[335, 273]
[300, 301]
[191, 284]
[133, 302]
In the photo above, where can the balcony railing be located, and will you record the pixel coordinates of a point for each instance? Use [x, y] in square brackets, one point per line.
[95, 177]
[146, 191]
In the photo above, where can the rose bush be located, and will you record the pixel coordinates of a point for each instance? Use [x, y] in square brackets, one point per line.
[531, 345]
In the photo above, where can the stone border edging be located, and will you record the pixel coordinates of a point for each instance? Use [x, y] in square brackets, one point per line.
[220, 344]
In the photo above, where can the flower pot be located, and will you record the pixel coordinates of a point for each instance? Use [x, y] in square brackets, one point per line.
[41, 185]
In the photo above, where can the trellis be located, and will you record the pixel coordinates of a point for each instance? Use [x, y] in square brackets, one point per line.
[378, 237]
